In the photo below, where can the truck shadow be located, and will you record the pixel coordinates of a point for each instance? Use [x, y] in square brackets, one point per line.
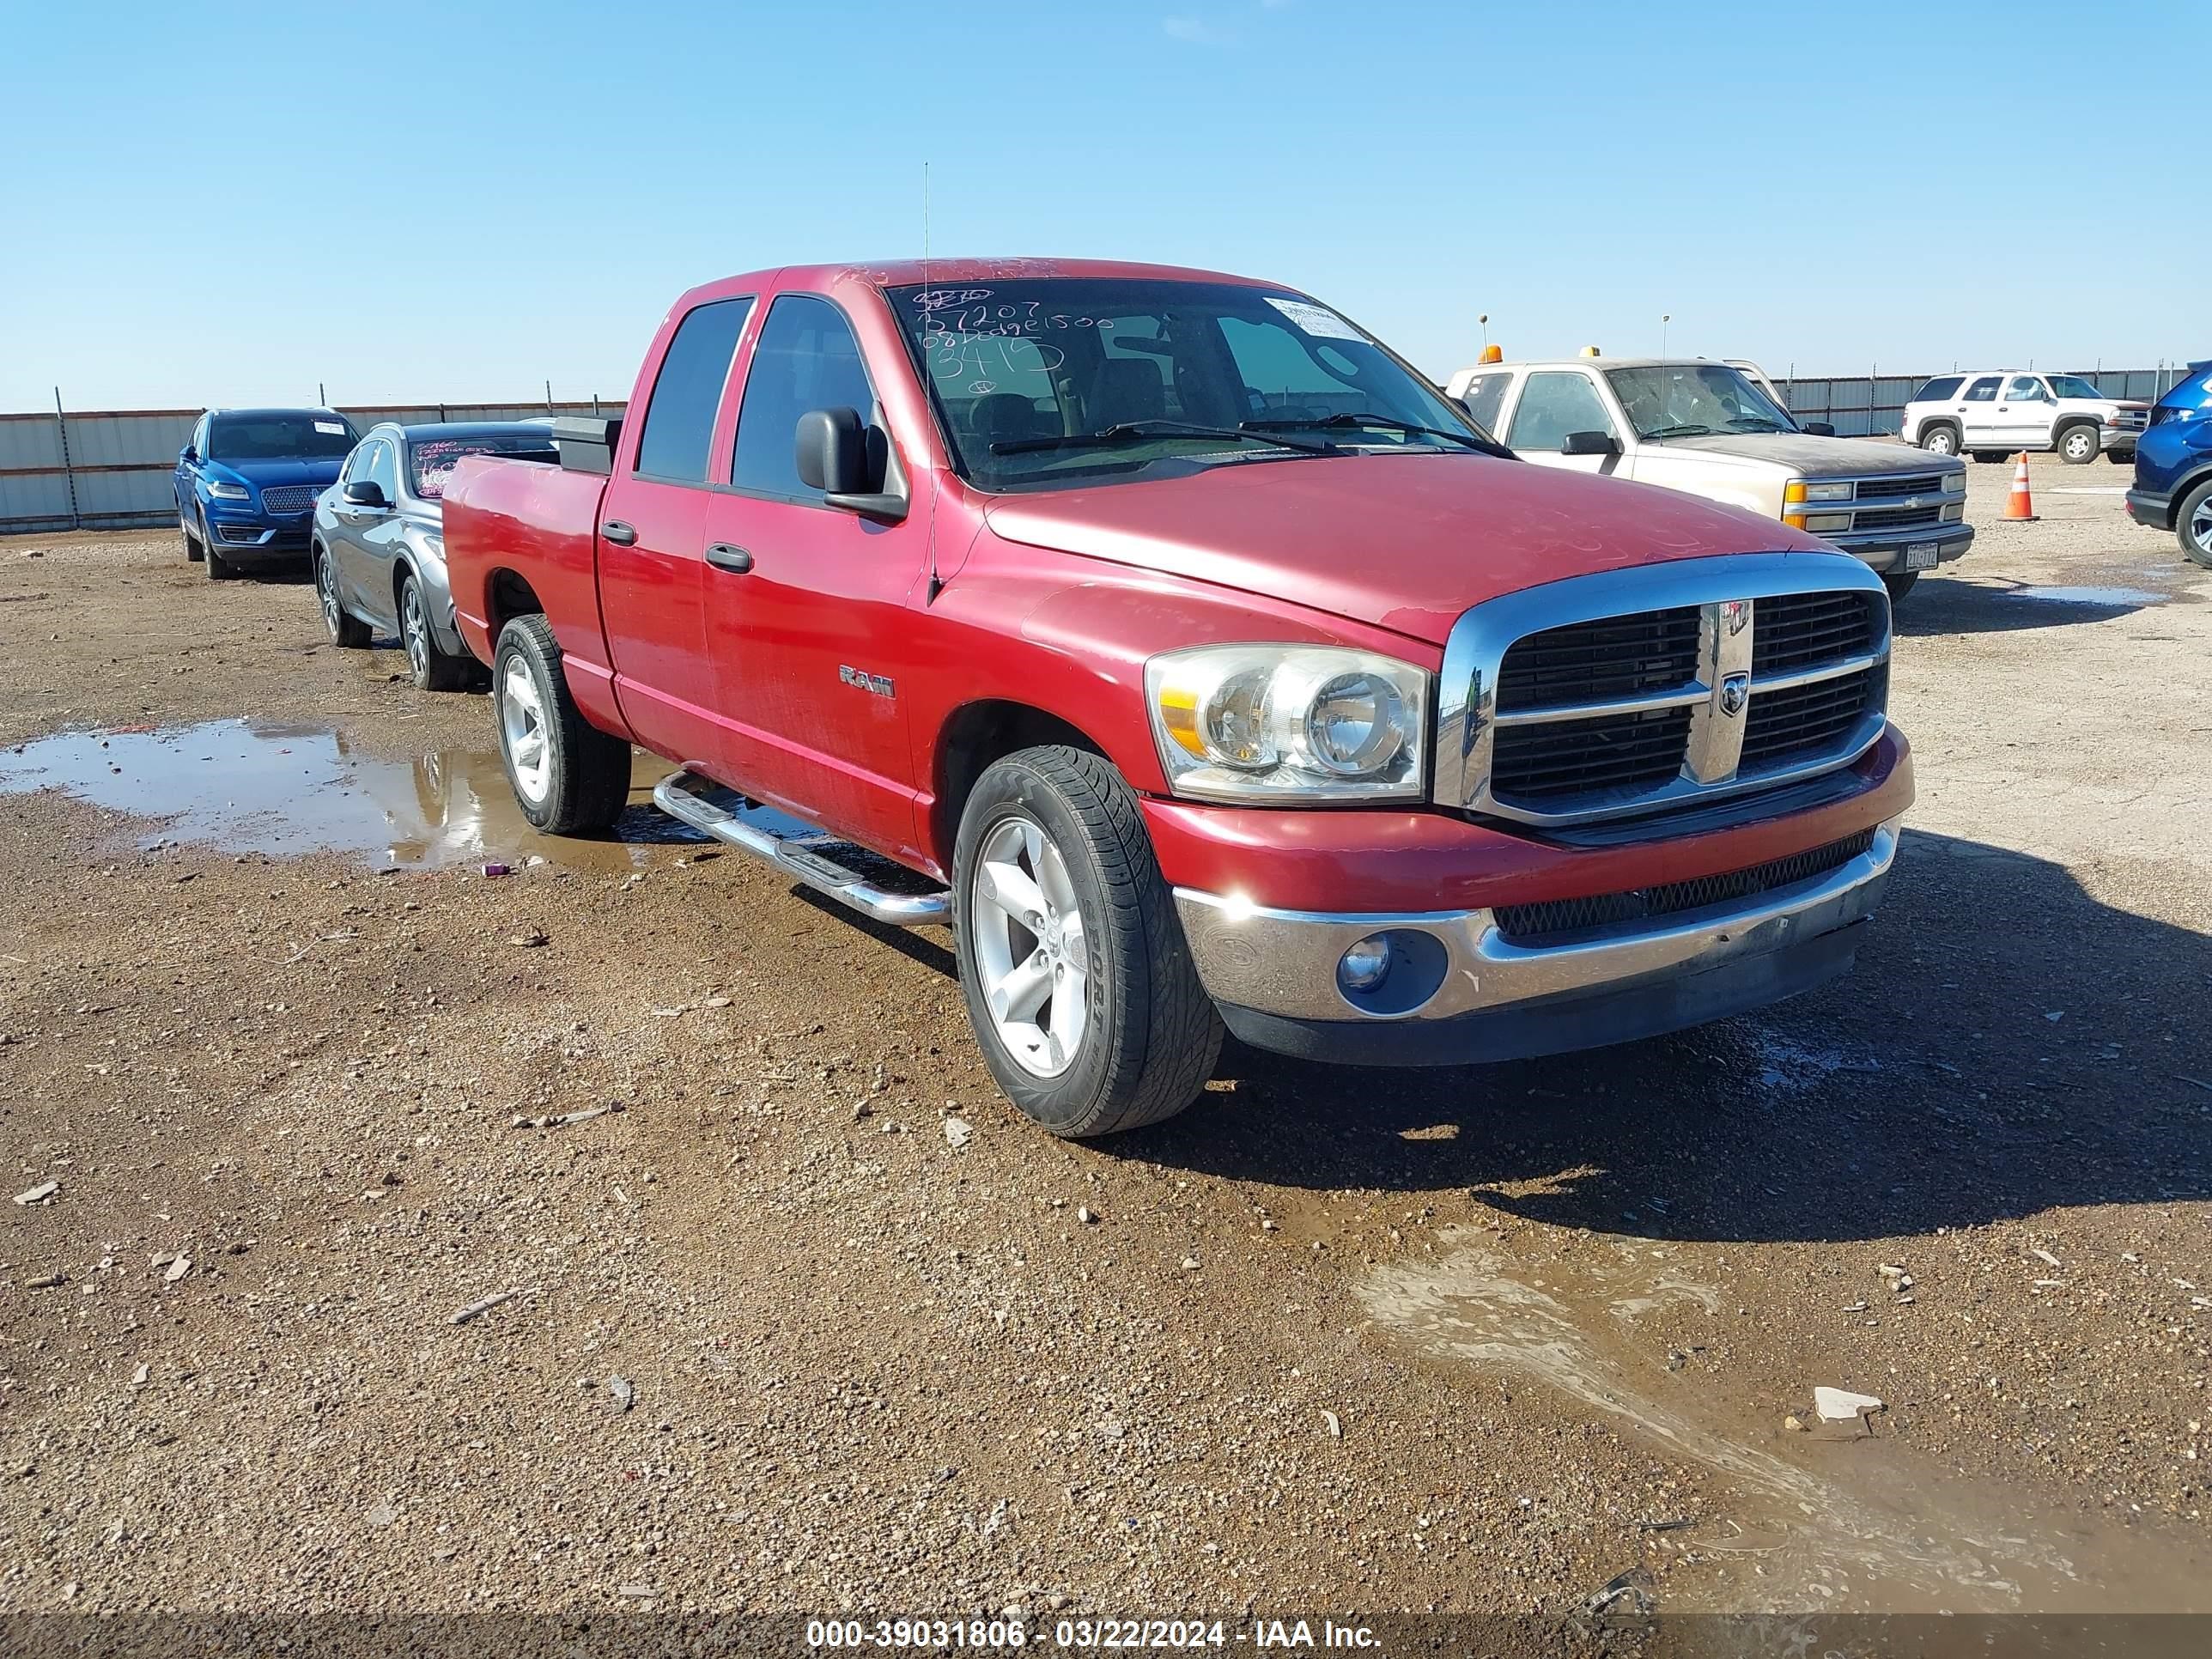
[2007, 1044]
[1942, 606]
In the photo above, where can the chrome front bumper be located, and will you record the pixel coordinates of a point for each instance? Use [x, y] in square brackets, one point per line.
[1885, 551]
[1274, 973]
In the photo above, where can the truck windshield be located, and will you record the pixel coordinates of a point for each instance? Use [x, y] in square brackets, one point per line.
[2073, 385]
[1043, 381]
[431, 461]
[278, 438]
[1695, 400]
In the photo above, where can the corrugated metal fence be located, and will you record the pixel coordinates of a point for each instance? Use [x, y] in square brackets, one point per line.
[1872, 404]
[112, 469]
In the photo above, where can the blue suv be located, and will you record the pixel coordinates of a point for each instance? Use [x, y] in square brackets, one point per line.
[247, 483]
[2173, 465]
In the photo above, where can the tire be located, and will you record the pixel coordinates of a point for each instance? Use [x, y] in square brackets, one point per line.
[1137, 1042]
[575, 779]
[219, 569]
[1940, 440]
[2192, 524]
[430, 665]
[2077, 446]
[1900, 583]
[193, 552]
[343, 628]
[1988, 456]
[2121, 457]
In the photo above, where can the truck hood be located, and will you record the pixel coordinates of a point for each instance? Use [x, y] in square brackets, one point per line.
[1809, 457]
[1401, 542]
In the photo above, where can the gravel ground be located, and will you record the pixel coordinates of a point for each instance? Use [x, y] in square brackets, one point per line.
[814, 1324]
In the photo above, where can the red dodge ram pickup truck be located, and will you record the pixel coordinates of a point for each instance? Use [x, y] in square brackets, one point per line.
[1199, 663]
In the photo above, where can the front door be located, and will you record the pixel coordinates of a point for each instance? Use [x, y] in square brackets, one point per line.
[365, 538]
[1554, 403]
[806, 603]
[653, 534]
[2024, 411]
[1978, 413]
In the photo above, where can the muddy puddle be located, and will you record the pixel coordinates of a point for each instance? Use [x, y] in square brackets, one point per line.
[287, 791]
[1840, 1518]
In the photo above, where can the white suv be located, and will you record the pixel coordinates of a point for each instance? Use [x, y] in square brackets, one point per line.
[1989, 414]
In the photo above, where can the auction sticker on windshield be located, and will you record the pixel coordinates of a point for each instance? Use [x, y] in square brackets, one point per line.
[1319, 321]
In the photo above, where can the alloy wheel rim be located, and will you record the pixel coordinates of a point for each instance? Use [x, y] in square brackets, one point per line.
[1032, 955]
[2200, 525]
[327, 590]
[415, 626]
[522, 732]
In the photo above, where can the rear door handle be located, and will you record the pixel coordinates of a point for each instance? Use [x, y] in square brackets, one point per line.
[723, 557]
[619, 533]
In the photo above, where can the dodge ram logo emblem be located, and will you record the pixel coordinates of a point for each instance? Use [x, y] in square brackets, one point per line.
[1735, 692]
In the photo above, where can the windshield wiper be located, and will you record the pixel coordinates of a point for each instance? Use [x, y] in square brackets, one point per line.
[1685, 429]
[1388, 423]
[1758, 424]
[1133, 432]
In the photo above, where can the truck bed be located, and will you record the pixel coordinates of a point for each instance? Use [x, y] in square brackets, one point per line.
[510, 520]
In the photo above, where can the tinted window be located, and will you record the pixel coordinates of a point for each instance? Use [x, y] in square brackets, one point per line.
[430, 461]
[1982, 391]
[1553, 405]
[279, 437]
[806, 359]
[2025, 389]
[1944, 386]
[679, 420]
[1485, 393]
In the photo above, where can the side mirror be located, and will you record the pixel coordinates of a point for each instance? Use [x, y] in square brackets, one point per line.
[848, 462]
[190, 456]
[365, 492]
[1590, 443]
[1820, 428]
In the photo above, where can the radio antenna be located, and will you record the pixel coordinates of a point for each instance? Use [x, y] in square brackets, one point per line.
[924, 322]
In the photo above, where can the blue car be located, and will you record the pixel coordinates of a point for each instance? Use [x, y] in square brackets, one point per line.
[247, 484]
[2173, 465]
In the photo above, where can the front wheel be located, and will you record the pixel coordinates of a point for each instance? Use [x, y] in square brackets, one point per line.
[2077, 446]
[2192, 524]
[343, 628]
[1900, 583]
[430, 665]
[219, 569]
[569, 778]
[1078, 979]
[1940, 441]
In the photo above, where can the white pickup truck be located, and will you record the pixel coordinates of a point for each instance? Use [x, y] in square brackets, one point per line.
[1718, 430]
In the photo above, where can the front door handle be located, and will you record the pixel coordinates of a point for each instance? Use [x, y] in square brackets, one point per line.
[619, 533]
[723, 557]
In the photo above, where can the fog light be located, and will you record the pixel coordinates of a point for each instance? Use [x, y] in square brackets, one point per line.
[1364, 966]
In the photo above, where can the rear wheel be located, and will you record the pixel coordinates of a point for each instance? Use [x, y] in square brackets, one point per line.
[1077, 980]
[431, 667]
[568, 777]
[343, 628]
[219, 569]
[2192, 524]
[2077, 445]
[1940, 440]
[1900, 583]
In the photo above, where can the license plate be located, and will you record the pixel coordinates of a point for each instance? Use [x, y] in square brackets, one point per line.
[1921, 558]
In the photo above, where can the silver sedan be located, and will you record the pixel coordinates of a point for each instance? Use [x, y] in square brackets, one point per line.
[379, 545]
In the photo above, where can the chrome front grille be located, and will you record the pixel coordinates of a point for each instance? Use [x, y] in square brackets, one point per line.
[1896, 518]
[289, 498]
[1907, 483]
[1637, 691]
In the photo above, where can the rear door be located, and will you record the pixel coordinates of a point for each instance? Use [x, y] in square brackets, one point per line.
[652, 537]
[806, 603]
[1553, 402]
[1978, 413]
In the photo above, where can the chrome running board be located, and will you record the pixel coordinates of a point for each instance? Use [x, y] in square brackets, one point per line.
[806, 854]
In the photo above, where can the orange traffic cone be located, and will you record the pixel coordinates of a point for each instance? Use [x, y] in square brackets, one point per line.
[2020, 504]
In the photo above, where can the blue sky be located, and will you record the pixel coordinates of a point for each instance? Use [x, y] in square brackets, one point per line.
[216, 203]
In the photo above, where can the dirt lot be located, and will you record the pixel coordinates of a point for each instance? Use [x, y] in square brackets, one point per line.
[1475, 1340]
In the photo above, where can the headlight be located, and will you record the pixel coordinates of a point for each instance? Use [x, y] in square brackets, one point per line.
[1289, 722]
[1954, 484]
[228, 492]
[1798, 489]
